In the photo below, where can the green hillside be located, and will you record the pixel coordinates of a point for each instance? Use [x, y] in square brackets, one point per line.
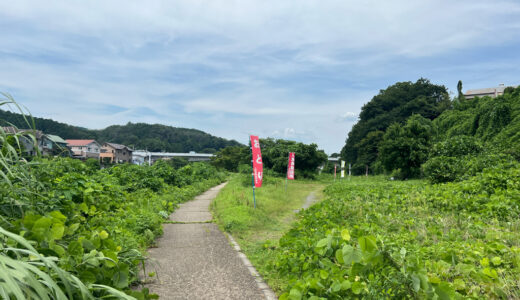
[414, 130]
[154, 137]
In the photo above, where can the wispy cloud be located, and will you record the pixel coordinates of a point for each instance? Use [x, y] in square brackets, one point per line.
[233, 67]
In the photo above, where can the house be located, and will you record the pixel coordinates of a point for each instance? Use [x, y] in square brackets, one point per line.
[48, 144]
[491, 92]
[25, 138]
[52, 144]
[115, 153]
[84, 149]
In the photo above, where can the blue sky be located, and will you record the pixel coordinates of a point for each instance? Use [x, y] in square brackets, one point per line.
[298, 70]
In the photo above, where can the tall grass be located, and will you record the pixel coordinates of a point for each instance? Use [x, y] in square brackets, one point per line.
[25, 273]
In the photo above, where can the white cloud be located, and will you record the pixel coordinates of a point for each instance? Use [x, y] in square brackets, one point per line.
[232, 67]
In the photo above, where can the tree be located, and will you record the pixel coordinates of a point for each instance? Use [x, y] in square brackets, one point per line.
[459, 90]
[274, 157]
[368, 151]
[307, 157]
[394, 105]
[231, 157]
[406, 147]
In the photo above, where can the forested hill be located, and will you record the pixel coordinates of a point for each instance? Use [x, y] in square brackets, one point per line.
[154, 137]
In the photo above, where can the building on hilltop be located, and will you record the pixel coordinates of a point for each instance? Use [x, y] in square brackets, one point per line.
[491, 92]
[115, 153]
[84, 149]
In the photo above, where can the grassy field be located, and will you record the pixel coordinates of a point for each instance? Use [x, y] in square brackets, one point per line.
[373, 238]
[259, 229]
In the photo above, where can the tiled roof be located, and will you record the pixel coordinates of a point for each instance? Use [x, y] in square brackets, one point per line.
[117, 146]
[79, 142]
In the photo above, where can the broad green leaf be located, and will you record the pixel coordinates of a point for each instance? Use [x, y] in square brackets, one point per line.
[120, 279]
[345, 285]
[324, 274]
[41, 227]
[295, 294]
[72, 228]
[367, 243]
[444, 291]
[336, 287]
[357, 287]
[416, 282]
[58, 249]
[87, 277]
[339, 256]
[58, 216]
[103, 234]
[490, 272]
[351, 255]
[345, 234]
[57, 231]
[322, 243]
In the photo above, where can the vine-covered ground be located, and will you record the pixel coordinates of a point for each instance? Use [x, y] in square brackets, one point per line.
[374, 238]
[73, 231]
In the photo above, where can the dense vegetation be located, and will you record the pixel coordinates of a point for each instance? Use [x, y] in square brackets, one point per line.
[474, 135]
[395, 104]
[274, 157]
[154, 137]
[376, 239]
[71, 231]
[454, 141]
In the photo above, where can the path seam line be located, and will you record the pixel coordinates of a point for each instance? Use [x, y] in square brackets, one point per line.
[268, 293]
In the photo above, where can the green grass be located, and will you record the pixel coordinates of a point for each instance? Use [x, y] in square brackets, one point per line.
[261, 228]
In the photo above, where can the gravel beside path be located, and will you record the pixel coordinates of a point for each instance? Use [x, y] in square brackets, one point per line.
[194, 259]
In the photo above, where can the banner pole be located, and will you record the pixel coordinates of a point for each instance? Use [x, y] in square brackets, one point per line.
[253, 178]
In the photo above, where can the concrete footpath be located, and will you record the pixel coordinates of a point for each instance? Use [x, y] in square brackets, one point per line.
[194, 259]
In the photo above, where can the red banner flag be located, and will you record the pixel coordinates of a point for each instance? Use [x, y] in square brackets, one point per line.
[290, 166]
[258, 167]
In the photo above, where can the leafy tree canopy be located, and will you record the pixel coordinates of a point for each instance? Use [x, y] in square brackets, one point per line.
[392, 105]
[406, 147]
[275, 155]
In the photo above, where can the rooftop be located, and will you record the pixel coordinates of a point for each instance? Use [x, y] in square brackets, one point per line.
[56, 139]
[79, 142]
[118, 146]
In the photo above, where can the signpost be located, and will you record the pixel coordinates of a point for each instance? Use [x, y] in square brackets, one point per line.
[256, 179]
[342, 169]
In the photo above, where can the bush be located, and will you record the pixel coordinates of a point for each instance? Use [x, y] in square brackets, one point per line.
[457, 146]
[445, 168]
[442, 169]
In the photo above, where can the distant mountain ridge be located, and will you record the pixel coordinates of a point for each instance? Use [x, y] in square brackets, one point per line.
[153, 137]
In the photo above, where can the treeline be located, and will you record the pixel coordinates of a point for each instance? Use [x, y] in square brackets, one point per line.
[274, 157]
[153, 137]
[414, 129]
